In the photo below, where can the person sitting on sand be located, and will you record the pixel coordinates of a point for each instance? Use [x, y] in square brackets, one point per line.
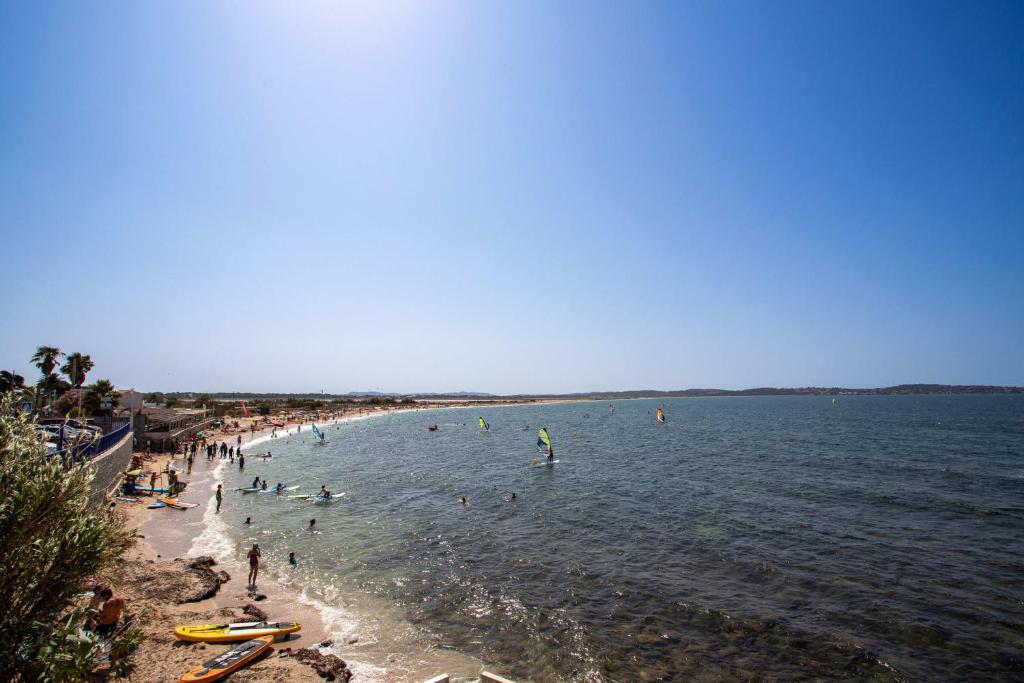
[95, 602]
[254, 564]
[110, 613]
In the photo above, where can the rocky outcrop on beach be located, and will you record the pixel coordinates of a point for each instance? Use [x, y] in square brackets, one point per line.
[180, 581]
[329, 667]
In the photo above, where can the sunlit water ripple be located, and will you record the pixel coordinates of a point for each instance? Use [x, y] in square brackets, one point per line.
[776, 537]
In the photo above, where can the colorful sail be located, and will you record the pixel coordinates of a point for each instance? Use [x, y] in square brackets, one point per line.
[543, 440]
[484, 426]
[317, 433]
[661, 415]
[245, 411]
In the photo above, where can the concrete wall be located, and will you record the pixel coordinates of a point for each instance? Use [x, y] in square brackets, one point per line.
[108, 468]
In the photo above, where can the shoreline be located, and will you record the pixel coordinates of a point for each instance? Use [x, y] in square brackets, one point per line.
[373, 638]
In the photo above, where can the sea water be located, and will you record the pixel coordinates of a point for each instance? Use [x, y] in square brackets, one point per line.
[783, 537]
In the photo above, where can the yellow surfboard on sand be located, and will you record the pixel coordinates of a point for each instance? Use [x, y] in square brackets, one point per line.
[227, 633]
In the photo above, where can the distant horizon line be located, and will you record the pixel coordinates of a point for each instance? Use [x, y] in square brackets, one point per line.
[632, 393]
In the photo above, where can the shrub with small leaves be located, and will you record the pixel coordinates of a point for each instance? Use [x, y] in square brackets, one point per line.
[51, 541]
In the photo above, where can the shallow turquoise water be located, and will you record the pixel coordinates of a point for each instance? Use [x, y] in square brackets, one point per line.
[777, 536]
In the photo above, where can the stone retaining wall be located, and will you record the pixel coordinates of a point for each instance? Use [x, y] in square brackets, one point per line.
[109, 467]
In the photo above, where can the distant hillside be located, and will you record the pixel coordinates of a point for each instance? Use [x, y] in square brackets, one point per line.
[901, 389]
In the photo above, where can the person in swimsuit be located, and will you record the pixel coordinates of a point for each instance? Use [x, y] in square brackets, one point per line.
[110, 613]
[219, 495]
[256, 483]
[254, 564]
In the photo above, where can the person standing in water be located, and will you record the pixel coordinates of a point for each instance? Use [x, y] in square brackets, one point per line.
[291, 560]
[312, 524]
[254, 564]
[219, 495]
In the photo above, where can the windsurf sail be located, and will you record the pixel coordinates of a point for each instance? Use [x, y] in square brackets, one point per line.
[245, 411]
[611, 408]
[484, 426]
[317, 433]
[661, 415]
[543, 440]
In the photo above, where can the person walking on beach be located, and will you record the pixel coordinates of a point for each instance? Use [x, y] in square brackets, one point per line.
[254, 564]
[220, 495]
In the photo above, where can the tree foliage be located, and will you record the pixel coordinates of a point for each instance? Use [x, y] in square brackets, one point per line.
[46, 358]
[100, 390]
[51, 541]
[76, 367]
[11, 381]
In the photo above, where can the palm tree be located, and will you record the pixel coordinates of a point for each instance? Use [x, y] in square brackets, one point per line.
[46, 358]
[98, 391]
[76, 367]
[10, 381]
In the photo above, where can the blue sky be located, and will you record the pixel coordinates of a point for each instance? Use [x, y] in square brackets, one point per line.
[514, 197]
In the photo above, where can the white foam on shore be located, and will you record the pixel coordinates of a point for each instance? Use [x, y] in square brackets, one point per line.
[213, 540]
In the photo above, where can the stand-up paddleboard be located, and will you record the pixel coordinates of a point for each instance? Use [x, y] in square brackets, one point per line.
[545, 463]
[283, 490]
[158, 504]
[149, 489]
[227, 633]
[302, 496]
[173, 503]
[228, 662]
[249, 489]
[323, 500]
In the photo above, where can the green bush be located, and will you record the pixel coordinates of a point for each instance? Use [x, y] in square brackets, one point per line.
[51, 541]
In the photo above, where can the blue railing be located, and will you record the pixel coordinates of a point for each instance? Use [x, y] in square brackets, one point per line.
[94, 448]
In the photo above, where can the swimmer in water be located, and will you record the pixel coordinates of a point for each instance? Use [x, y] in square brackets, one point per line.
[248, 520]
[291, 559]
[463, 500]
[312, 523]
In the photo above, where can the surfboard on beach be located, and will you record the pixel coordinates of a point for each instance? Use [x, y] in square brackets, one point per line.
[228, 662]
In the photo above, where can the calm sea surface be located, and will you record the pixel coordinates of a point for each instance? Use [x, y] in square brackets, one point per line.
[776, 537]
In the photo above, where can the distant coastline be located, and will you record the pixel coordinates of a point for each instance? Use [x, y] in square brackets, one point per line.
[897, 390]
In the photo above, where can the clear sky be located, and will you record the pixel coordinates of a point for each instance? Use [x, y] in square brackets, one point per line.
[514, 196]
